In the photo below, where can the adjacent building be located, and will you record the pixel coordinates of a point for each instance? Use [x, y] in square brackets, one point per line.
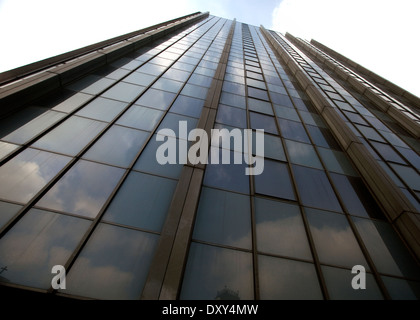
[81, 186]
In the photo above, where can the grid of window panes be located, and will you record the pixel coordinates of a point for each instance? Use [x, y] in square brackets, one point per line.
[412, 113]
[379, 132]
[296, 230]
[80, 184]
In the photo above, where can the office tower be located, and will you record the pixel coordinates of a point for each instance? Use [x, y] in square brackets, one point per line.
[82, 187]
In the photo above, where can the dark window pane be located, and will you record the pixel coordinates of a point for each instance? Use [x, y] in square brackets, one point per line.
[37, 242]
[226, 176]
[188, 106]
[386, 249]
[142, 201]
[337, 161]
[21, 132]
[260, 106]
[118, 146]
[259, 121]
[231, 116]
[275, 181]
[257, 93]
[140, 79]
[122, 91]
[281, 100]
[26, 174]
[140, 118]
[401, 289]
[386, 151]
[168, 85]
[339, 287]
[293, 130]
[72, 103]
[223, 218]
[322, 137]
[334, 239]
[83, 190]
[233, 100]
[287, 279]
[148, 163]
[356, 196]
[102, 109]
[211, 271]
[157, 99]
[7, 211]
[273, 147]
[280, 229]
[315, 189]
[303, 154]
[286, 113]
[91, 84]
[71, 136]
[408, 175]
[113, 264]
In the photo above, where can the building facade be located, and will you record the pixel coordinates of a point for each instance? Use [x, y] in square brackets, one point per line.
[82, 188]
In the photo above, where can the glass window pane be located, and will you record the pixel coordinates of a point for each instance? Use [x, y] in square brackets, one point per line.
[337, 161]
[142, 201]
[401, 289]
[314, 188]
[339, 287]
[274, 181]
[71, 136]
[282, 279]
[387, 251]
[233, 87]
[200, 80]
[36, 243]
[6, 149]
[176, 74]
[409, 175]
[173, 121]
[91, 84]
[231, 116]
[7, 211]
[256, 84]
[334, 240]
[228, 176]
[322, 137]
[223, 218]
[280, 229]
[102, 109]
[281, 99]
[194, 91]
[157, 99]
[122, 91]
[258, 93]
[370, 133]
[273, 147]
[167, 85]
[386, 151]
[286, 113]
[30, 129]
[118, 146]
[260, 106]
[140, 79]
[260, 121]
[356, 196]
[140, 118]
[26, 174]
[113, 265]
[188, 106]
[152, 69]
[293, 130]
[303, 154]
[148, 163]
[217, 273]
[72, 103]
[233, 100]
[83, 190]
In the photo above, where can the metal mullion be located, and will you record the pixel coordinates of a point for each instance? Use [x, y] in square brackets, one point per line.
[359, 239]
[99, 216]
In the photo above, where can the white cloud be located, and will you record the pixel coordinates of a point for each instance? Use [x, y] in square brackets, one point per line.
[373, 33]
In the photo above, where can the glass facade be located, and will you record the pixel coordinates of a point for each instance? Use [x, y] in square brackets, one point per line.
[81, 185]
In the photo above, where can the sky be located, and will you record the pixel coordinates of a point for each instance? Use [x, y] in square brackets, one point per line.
[373, 33]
